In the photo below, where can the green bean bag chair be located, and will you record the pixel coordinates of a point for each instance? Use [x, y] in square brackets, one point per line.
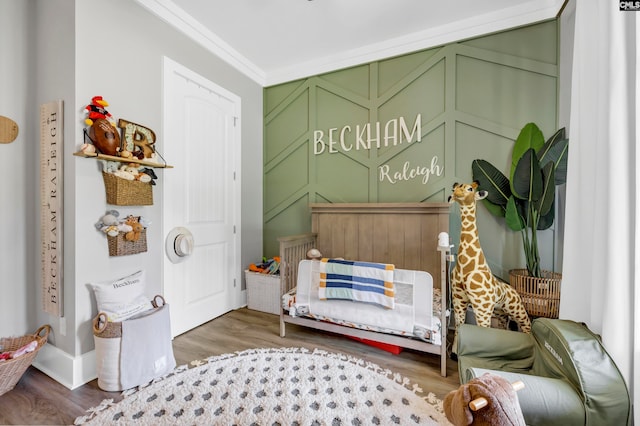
[569, 377]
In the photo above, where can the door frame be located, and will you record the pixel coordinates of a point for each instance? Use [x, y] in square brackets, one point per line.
[171, 66]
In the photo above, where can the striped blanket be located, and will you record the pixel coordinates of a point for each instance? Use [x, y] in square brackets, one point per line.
[358, 281]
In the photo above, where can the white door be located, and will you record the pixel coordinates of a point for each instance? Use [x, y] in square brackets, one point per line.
[200, 198]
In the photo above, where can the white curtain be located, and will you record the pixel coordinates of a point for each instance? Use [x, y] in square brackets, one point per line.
[601, 241]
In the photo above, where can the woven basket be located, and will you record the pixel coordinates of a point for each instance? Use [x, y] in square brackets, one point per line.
[119, 246]
[12, 370]
[123, 192]
[540, 296]
[263, 292]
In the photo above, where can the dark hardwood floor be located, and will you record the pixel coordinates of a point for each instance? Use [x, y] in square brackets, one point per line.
[37, 399]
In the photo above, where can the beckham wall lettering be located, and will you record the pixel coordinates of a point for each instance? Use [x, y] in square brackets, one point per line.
[364, 137]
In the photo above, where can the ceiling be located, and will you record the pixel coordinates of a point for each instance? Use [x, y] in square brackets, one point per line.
[273, 41]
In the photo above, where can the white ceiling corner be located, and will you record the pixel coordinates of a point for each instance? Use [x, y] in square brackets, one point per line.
[275, 41]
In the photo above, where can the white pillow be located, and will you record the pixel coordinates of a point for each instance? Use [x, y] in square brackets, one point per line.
[122, 298]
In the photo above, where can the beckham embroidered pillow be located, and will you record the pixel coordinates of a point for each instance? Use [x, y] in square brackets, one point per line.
[122, 298]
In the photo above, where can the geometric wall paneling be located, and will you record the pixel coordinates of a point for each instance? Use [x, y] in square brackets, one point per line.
[514, 87]
[424, 95]
[341, 179]
[288, 177]
[518, 43]
[528, 90]
[287, 221]
[391, 71]
[278, 94]
[287, 124]
[472, 98]
[480, 143]
[354, 80]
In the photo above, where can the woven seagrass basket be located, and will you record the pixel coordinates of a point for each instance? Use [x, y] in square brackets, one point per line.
[540, 296]
[123, 192]
[119, 246]
[12, 370]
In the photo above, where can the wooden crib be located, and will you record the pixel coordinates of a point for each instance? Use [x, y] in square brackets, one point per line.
[403, 234]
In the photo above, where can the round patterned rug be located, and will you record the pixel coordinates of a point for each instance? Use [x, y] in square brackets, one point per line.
[280, 386]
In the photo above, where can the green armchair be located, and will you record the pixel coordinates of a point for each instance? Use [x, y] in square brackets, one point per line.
[569, 377]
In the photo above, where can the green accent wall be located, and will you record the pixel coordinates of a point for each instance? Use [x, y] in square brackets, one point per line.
[472, 98]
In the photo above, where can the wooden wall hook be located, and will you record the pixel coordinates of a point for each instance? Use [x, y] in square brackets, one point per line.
[8, 130]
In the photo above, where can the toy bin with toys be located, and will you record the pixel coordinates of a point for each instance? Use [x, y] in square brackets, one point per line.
[263, 286]
[124, 236]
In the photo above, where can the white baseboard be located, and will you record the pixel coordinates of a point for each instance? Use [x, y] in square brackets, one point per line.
[69, 371]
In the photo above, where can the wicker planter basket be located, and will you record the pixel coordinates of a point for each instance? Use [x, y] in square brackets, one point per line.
[119, 246]
[263, 292]
[540, 296]
[122, 192]
[12, 370]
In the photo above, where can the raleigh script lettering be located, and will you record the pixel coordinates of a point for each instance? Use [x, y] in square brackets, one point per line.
[409, 172]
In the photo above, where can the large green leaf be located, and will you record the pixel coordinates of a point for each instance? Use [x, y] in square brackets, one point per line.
[530, 137]
[491, 180]
[513, 216]
[494, 209]
[548, 190]
[556, 150]
[526, 183]
[546, 221]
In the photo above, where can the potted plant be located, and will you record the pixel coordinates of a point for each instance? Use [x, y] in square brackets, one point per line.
[526, 199]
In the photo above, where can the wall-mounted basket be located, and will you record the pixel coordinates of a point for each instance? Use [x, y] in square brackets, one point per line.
[123, 192]
[119, 246]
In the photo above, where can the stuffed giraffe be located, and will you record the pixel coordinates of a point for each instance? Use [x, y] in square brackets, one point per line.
[472, 282]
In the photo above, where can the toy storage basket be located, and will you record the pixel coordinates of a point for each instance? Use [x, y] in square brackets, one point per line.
[263, 292]
[119, 246]
[107, 337]
[123, 192]
[12, 370]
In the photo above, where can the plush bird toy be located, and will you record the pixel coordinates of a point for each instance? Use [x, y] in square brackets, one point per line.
[96, 109]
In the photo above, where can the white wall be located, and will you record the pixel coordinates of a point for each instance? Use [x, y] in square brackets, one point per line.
[87, 48]
[19, 173]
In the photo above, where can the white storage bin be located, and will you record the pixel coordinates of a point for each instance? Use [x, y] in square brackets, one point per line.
[263, 292]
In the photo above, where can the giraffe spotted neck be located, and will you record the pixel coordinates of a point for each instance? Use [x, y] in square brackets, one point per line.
[470, 249]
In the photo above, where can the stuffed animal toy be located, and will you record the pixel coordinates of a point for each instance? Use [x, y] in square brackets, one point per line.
[136, 229]
[502, 407]
[472, 283]
[96, 110]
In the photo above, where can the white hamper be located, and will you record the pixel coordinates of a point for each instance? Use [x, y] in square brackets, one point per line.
[263, 292]
[121, 365]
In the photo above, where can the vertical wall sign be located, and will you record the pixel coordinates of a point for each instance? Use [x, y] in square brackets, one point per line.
[51, 150]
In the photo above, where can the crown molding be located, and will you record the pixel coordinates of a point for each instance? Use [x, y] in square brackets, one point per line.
[504, 19]
[175, 16]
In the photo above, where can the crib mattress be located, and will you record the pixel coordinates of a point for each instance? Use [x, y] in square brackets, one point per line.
[416, 314]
